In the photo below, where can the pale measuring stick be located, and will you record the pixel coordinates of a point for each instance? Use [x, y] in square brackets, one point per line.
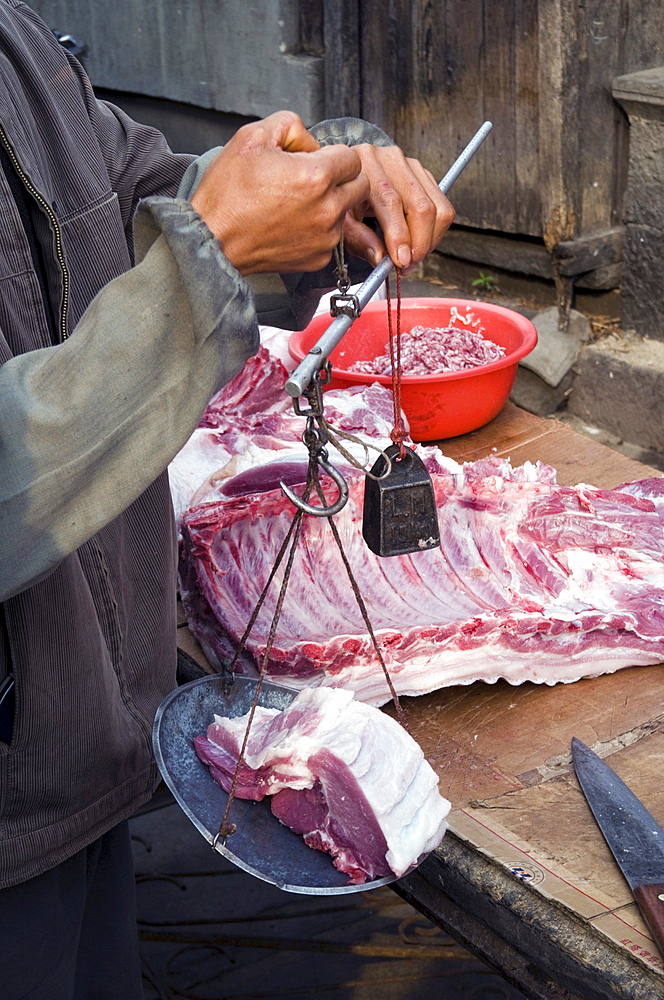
[315, 359]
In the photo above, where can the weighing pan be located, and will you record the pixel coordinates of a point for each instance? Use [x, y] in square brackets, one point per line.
[261, 845]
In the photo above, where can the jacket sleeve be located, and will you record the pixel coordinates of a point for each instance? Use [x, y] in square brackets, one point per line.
[149, 352]
[138, 159]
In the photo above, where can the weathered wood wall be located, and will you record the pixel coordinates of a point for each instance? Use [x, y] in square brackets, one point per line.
[245, 57]
[430, 71]
[550, 180]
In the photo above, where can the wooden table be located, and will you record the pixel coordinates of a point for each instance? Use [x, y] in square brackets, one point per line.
[524, 878]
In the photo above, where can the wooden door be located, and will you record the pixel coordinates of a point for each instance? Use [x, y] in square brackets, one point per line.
[431, 71]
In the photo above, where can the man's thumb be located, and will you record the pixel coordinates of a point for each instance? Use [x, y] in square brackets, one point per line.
[289, 132]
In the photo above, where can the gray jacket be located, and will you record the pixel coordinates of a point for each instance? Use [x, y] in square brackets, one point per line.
[88, 425]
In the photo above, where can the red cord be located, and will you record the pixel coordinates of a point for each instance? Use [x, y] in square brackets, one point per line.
[398, 431]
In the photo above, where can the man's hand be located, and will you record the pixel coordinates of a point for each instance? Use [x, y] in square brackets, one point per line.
[407, 202]
[275, 200]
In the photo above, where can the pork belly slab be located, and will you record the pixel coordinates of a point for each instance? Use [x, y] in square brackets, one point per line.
[532, 582]
[344, 775]
[250, 423]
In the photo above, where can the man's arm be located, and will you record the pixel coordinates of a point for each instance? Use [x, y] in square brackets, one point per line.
[87, 425]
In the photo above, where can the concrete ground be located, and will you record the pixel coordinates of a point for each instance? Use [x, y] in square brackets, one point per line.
[209, 931]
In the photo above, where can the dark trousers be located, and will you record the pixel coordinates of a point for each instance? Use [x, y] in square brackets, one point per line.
[70, 934]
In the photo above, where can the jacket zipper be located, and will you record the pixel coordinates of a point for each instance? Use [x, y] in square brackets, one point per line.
[59, 247]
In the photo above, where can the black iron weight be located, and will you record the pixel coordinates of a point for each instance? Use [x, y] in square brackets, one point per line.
[399, 505]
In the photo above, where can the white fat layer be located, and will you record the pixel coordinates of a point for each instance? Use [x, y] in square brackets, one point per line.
[425, 673]
[399, 785]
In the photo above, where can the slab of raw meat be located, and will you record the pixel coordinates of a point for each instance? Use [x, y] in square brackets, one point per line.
[346, 776]
[251, 422]
[532, 582]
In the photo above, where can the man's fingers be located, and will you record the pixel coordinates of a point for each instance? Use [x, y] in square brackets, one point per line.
[437, 215]
[342, 163]
[411, 209]
[417, 204]
[335, 173]
[295, 138]
[362, 241]
[386, 199]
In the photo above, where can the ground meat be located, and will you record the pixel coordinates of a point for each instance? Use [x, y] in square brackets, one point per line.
[431, 351]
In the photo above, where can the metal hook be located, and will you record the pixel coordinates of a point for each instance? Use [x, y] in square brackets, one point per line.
[336, 477]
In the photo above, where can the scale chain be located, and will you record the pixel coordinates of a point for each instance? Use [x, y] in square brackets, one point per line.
[226, 828]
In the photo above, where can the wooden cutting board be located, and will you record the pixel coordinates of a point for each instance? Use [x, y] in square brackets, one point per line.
[488, 739]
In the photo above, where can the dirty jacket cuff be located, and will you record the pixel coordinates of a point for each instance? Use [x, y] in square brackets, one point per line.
[213, 286]
[350, 132]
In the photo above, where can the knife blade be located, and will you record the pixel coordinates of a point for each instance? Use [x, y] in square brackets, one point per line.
[634, 836]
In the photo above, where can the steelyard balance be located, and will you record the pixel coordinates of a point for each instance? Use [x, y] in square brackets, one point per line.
[400, 513]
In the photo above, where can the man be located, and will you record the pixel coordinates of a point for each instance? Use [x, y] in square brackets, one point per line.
[105, 370]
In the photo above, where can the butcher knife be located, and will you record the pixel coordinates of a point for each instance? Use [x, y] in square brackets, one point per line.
[636, 839]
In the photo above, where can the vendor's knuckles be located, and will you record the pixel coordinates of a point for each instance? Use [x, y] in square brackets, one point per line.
[283, 128]
[332, 170]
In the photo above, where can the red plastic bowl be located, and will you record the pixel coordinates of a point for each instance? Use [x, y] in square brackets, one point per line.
[437, 406]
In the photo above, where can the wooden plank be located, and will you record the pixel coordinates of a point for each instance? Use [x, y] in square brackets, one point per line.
[526, 156]
[590, 252]
[558, 119]
[582, 256]
[553, 817]
[342, 38]
[418, 115]
[461, 110]
[487, 740]
[546, 950]
[524, 257]
[595, 260]
[540, 72]
[600, 34]
[419, 82]
[521, 437]
[496, 73]
[379, 102]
